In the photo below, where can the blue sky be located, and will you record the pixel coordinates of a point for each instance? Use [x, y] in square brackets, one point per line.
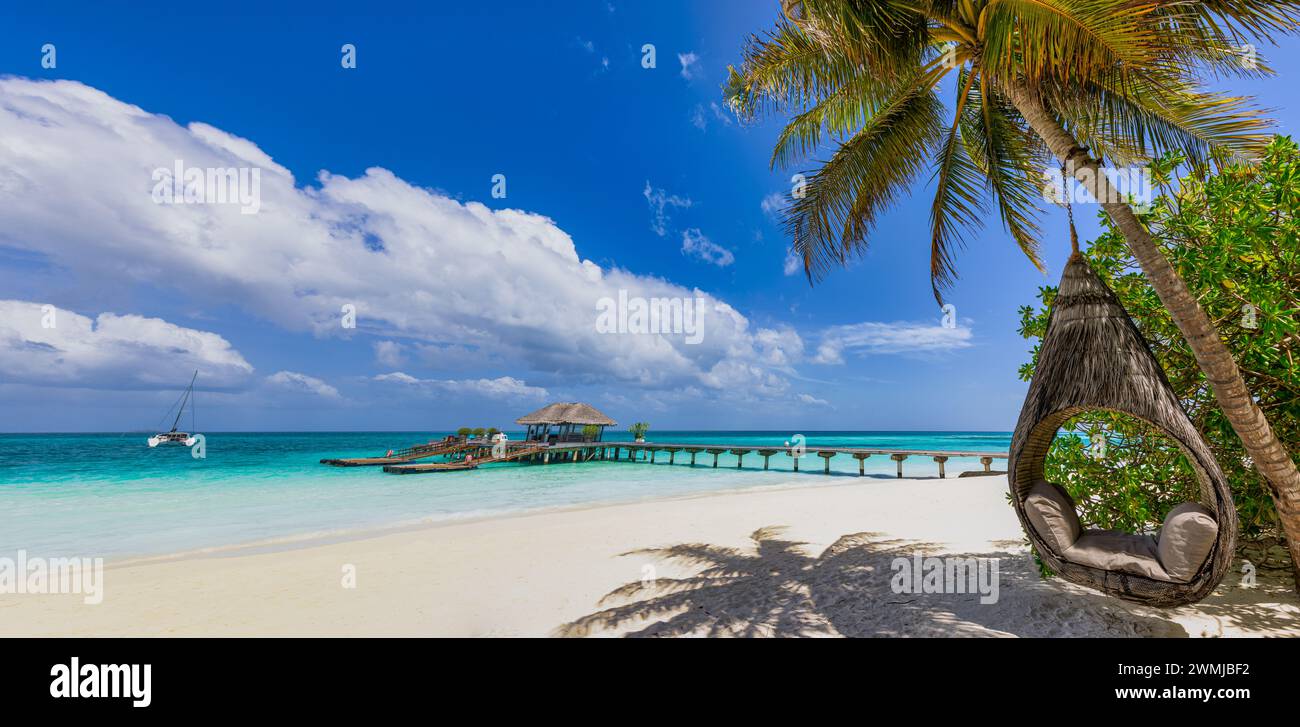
[467, 313]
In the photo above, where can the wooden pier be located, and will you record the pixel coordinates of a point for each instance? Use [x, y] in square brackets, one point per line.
[511, 454]
[481, 452]
[409, 454]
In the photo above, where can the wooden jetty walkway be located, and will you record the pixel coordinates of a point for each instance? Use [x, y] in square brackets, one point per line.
[409, 454]
[648, 452]
[511, 454]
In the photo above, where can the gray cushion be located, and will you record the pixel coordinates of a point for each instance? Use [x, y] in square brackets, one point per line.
[1051, 511]
[1116, 551]
[1186, 539]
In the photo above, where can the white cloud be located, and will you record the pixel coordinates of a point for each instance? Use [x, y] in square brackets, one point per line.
[302, 383]
[111, 351]
[419, 266]
[720, 114]
[590, 48]
[690, 63]
[697, 118]
[503, 387]
[700, 120]
[810, 399]
[695, 244]
[773, 205]
[389, 353]
[660, 201]
[792, 264]
[889, 338]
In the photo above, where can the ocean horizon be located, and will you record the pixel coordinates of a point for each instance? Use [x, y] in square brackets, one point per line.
[110, 495]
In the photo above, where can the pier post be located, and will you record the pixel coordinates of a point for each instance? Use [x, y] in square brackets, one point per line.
[796, 459]
[672, 455]
[941, 460]
[740, 456]
[693, 453]
[987, 462]
[862, 460]
[826, 457]
[546, 458]
[653, 452]
[715, 453]
[899, 459]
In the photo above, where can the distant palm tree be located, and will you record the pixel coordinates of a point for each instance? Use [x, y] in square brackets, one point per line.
[639, 430]
[1085, 81]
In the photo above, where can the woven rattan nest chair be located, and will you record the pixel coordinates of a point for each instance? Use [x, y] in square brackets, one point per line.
[1092, 357]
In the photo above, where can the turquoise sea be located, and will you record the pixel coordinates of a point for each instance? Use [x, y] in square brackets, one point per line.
[110, 495]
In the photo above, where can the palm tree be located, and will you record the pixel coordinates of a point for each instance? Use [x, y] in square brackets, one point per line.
[1088, 82]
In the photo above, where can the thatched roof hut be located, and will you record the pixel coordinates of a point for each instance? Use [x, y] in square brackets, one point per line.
[567, 419]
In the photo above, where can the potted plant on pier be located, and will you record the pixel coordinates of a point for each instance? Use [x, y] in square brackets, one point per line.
[590, 432]
[638, 430]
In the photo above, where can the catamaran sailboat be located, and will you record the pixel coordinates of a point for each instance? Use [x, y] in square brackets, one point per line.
[173, 436]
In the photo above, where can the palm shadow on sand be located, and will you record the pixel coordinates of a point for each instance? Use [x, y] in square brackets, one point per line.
[775, 588]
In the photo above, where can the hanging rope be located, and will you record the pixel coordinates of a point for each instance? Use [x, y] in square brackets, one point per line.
[1069, 213]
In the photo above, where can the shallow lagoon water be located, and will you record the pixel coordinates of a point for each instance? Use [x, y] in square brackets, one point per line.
[110, 495]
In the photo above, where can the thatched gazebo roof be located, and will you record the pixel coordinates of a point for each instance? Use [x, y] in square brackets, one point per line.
[573, 412]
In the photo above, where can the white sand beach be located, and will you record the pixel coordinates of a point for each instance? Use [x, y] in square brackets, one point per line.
[803, 559]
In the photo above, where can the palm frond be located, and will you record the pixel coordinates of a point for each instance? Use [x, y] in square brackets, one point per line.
[1014, 160]
[843, 199]
[842, 112]
[1145, 120]
[959, 191]
[1125, 77]
[1070, 41]
[785, 68]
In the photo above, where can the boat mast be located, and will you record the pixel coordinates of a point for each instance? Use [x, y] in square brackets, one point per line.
[188, 391]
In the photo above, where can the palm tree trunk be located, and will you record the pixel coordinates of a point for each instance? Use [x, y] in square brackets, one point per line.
[1213, 357]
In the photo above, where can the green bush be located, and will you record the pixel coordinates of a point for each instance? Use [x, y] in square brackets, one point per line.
[464, 431]
[639, 429]
[479, 431]
[1234, 237]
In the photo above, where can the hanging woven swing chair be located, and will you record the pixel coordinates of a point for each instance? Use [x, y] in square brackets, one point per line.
[1092, 357]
